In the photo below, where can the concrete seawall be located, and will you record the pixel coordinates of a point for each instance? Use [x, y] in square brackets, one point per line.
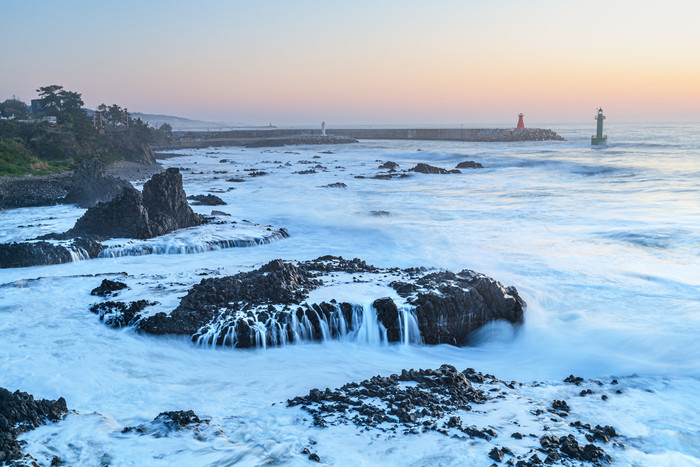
[183, 139]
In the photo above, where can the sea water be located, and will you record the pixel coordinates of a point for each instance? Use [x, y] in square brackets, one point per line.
[603, 244]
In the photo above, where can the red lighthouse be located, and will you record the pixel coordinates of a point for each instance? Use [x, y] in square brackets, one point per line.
[521, 124]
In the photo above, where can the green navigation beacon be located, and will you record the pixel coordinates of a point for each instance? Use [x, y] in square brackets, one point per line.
[599, 139]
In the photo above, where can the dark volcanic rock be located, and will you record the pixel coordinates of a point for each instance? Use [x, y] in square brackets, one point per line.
[162, 208]
[167, 422]
[207, 200]
[21, 255]
[469, 165]
[107, 288]
[19, 412]
[388, 315]
[90, 185]
[443, 306]
[388, 165]
[443, 317]
[430, 169]
[119, 314]
[437, 393]
[276, 282]
[335, 185]
[179, 419]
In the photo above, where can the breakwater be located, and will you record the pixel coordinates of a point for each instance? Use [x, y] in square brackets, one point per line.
[257, 137]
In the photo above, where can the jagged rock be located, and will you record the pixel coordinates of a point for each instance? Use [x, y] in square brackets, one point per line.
[388, 315]
[335, 185]
[207, 200]
[119, 314]
[389, 165]
[20, 412]
[107, 287]
[430, 169]
[167, 422]
[162, 208]
[90, 185]
[469, 165]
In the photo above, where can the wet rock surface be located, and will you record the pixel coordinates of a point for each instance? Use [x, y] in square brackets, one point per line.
[160, 209]
[469, 165]
[430, 169]
[168, 422]
[38, 253]
[452, 403]
[270, 306]
[108, 288]
[90, 185]
[20, 412]
[119, 314]
[207, 200]
[389, 165]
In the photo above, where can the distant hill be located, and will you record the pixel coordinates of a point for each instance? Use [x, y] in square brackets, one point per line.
[179, 123]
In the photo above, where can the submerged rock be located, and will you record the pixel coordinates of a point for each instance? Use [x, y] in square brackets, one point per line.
[207, 200]
[160, 209]
[107, 288]
[90, 185]
[20, 412]
[469, 165]
[167, 422]
[270, 306]
[389, 165]
[430, 169]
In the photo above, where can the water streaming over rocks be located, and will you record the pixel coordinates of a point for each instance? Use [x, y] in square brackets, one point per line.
[601, 244]
[270, 306]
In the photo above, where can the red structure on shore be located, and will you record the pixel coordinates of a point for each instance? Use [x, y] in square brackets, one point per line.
[521, 124]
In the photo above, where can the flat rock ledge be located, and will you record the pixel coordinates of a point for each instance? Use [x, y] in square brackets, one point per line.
[20, 412]
[270, 306]
[454, 403]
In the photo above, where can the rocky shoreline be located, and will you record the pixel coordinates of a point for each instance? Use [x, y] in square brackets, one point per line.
[49, 190]
[160, 209]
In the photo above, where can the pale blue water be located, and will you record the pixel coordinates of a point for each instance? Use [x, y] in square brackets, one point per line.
[603, 244]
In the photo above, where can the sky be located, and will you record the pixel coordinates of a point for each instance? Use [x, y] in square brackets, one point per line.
[362, 62]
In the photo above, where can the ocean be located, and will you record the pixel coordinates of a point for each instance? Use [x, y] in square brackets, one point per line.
[603, 244]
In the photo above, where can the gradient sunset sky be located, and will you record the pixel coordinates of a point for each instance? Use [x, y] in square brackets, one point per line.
[362, 62]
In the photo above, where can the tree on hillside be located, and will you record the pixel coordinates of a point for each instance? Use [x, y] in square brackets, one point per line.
[14, 107]
[114, 114]
[49, 98]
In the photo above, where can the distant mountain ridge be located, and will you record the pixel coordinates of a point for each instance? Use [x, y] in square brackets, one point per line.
[180, 123]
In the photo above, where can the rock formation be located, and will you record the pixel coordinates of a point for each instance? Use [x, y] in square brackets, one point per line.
[206, 200]
[90, 185]
[469, 165]
[160, 209]
[430, 169]
[269, 306]
[20, 412]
